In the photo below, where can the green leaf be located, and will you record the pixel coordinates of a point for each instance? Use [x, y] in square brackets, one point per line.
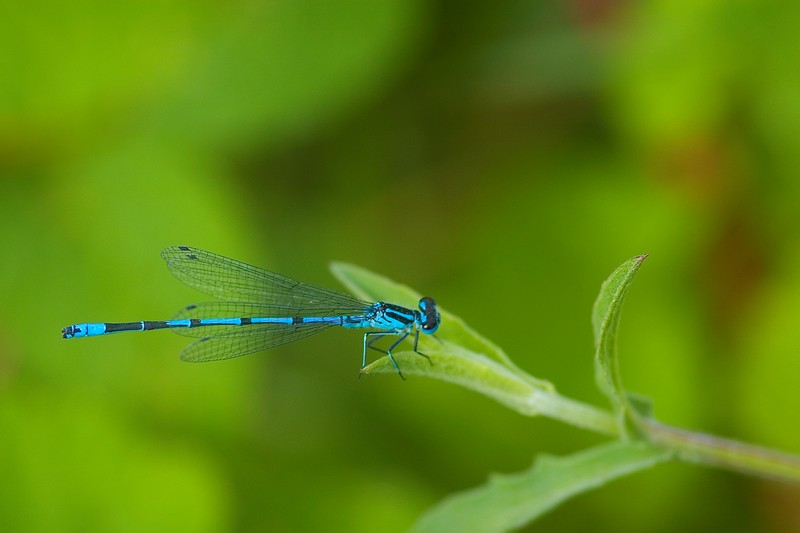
[641, 404]
[455, 364]
[460, 355]
[374, 287]
[605, 321]
[511, 501]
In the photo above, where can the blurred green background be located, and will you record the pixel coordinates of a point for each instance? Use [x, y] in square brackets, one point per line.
[502, 157]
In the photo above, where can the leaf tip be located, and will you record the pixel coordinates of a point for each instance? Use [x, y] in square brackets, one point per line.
[335, 266]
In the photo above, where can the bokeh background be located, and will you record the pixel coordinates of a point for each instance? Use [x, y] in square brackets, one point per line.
[503, 157]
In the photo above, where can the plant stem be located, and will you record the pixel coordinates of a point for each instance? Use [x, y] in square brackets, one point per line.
[724, 453]
[690, 446]
[553, 405]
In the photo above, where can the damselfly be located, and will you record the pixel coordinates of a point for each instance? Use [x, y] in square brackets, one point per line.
[260, 310]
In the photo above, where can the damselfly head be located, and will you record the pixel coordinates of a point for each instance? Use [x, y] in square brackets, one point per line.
[430, 318]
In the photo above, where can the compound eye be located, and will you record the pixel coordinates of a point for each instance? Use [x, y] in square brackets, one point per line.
[427, 304]
[428, 307]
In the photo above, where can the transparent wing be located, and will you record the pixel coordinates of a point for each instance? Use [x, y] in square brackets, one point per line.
[226, 342]
[228, 279]
[261, 337]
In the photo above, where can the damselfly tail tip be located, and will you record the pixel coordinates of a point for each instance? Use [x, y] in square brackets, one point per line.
[66, 332]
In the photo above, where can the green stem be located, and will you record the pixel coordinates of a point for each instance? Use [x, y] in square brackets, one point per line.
[724, 453]
[553, 405]
[532, 397]
[687, 445]
[690, 446]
